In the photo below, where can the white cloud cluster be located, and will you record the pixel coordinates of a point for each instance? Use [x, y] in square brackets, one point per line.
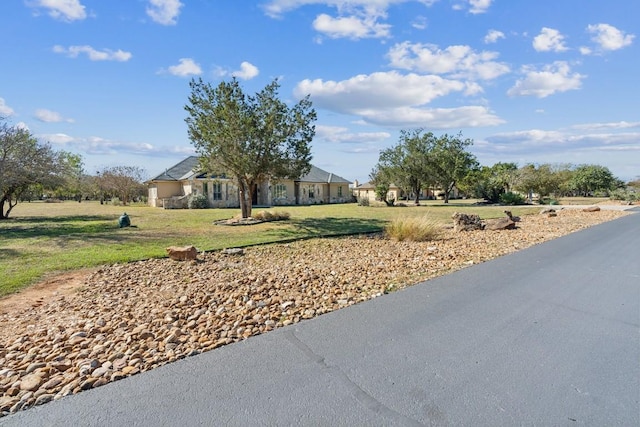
[63, 10]
[49, 116]
[553, 78]
[493, 36]
[479, 6]
[458, 61]
[186, 67]
[577, 139]
[94, 54]
[548, 40]
[608, 37]
[355, 19]
[247, 71]
[5, 110]
[394, 99]
[343, 135]
[164, 12]
[352, 27]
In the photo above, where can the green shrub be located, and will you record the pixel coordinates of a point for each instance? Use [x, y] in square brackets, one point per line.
[624, 195]
[417, 229]
[511, 199]
[115, 201]
[363, 201]
[198, 201]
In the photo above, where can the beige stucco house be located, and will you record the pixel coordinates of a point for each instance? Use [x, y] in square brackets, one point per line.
[368, 191]
[172, 188]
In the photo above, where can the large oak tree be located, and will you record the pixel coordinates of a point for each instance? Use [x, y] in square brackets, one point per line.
[250, 138]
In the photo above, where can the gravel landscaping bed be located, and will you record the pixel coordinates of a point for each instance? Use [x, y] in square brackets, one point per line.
[127, 319]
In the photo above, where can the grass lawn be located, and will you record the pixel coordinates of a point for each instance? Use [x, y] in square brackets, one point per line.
[44, 238]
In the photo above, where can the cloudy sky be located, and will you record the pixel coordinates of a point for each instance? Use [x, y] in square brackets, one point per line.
[543, 81]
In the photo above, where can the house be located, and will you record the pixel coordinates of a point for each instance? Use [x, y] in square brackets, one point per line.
[368, 191]
[172, 188]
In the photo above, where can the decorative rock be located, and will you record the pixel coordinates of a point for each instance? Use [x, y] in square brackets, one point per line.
[500, 224]
[184, 253]
[30, 382]
[591, 209]
[466, 222]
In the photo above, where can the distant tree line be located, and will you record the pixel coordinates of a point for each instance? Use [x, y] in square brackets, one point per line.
[30, 170]
[422, 160]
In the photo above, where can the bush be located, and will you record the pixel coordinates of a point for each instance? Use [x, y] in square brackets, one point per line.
[363, 201]
[198, 201]
[115, 201]
[421, 229]
[624, 195]
[271, 216]
[511, 199]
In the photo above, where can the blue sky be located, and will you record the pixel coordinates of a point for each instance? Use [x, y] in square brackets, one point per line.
[545, 81]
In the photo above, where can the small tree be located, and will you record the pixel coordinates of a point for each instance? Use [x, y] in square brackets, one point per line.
[24, 165]
[380, 179]
[587, 179]
[451, 162]
[251, 138]
[408, 164]
[124, 182]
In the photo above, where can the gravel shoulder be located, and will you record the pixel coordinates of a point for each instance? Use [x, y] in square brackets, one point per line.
[102, 325]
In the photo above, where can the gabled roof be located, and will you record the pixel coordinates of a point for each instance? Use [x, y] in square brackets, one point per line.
[180, 171]
[191, 166]
[318, 175]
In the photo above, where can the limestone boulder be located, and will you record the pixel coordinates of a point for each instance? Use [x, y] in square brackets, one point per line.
[182, 253]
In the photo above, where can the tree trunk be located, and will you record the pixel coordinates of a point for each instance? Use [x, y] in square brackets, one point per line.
[417, 193]
[245, 198]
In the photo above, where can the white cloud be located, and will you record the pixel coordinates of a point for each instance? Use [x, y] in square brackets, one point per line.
[585, 50]
[164, 12]
[420, 23]
[352, 27]
[549, 39]
[459, 61]
[479, 6]
[5, 110]
[247, 71]
[342, 135]
[49, 116]
[493, 36]
[609, 37]
[553, 78]
[393, 99]
[57, 138]
[63, 10]
[377, 90]
[610, 125]
[187, 67]
[93, 54]
[356, 19]
[435, 118]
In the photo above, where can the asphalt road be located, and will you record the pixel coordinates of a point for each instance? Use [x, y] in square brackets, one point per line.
[546, 336]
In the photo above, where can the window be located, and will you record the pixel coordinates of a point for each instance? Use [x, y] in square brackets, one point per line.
[206, 189]
[311, 192]
[340, 191]
[280, 191]
[217, 191]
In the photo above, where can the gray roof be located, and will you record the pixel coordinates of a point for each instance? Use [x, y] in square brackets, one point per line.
[191, 165]
[318, 175]
[182, 170]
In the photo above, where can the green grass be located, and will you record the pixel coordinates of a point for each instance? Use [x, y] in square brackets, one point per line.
[45, 238]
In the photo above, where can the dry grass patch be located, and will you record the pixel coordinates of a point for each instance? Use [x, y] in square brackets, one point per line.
[415, 229]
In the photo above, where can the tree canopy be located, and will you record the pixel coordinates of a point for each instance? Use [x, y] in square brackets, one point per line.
[250, 138]
[124, 182]
[422, 159]
[25, 164]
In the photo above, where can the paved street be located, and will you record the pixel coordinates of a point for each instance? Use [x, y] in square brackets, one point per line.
[545, 336]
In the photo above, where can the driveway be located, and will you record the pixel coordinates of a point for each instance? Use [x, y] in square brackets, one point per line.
[545, 336]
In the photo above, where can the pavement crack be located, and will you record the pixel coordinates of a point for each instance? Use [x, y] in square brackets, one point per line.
[360, 394]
